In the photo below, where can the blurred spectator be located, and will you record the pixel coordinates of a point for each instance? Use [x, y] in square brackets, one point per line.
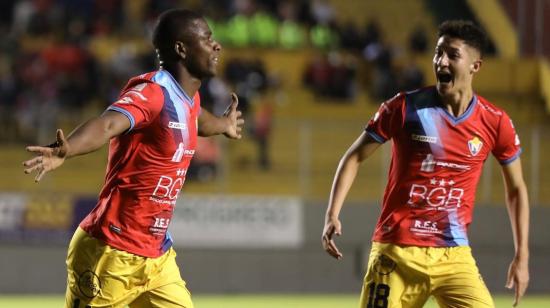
[322, 12]
[264, 28]
[411, 77]
[323, 36]
[350, 37]
[291, 32]
[239, 25]
[418, 41]
[331, 76]
[204, 166]
[372, 34]
[263, 121]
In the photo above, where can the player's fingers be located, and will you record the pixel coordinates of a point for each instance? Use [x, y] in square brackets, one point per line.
[40, 175]
[60, 136]
[234, 100]
[33, 168]
[38, 149]
[338, 229]
[33, 161]
[520, 291]
[333, 250]
[516, 297]
[509, 280]
[240, 121]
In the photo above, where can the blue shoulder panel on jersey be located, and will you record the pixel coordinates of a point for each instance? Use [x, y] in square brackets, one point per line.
[422, 116]
[165, 79]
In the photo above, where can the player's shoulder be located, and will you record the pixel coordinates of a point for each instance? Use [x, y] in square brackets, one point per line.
[143, 84]
[422, 97]
[489, 109]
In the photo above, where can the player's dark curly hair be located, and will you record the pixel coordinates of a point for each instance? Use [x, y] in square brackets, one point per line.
[172, 26]
[465, 30]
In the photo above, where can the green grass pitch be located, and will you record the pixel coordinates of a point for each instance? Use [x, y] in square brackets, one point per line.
[264, 301]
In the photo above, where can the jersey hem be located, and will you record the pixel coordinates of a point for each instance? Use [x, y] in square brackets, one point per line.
[137, 252]
[401, 243]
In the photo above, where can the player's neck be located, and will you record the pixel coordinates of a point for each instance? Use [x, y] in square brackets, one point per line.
[189, 83]
[456, 103]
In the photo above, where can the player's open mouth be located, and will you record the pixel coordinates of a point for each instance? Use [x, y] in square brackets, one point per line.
[215, 60]
[444, 77]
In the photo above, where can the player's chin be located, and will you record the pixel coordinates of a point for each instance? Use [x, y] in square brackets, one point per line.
[443, 88]
[210, 72]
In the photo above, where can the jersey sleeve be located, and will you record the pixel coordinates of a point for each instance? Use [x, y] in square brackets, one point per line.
[507, 147]
[387, 120]
[141, 104]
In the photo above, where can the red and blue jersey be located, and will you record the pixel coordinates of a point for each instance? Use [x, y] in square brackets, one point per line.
[436, 163]
[147, 165]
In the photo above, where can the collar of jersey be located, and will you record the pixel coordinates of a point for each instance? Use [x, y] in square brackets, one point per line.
[463, 117]
[175, 86]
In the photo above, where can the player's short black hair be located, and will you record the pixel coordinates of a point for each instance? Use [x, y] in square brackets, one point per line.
[172, 26]
[467, 31]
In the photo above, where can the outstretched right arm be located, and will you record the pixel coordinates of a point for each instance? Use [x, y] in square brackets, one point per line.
[86, 138]
[362, 148]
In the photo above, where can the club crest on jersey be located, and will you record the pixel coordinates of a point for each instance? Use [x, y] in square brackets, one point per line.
[475, 145]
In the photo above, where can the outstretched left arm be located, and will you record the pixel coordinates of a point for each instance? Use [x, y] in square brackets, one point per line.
[230, 123]
[518, 210]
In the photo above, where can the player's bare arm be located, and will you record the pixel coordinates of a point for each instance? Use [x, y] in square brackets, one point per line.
[230, 123]
[86, 138]
[518, 209]
[347, 169]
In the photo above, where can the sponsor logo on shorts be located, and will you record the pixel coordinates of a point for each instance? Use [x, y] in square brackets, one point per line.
[384, 265]
[89, 284]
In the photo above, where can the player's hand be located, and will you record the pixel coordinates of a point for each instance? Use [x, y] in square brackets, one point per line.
[332, 227]
[234, 116]
[48, 157]
[518, 278]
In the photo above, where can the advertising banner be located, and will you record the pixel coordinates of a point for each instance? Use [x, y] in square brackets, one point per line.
[212, 221]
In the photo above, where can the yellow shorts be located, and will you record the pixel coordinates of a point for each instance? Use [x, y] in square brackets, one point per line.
[101, 276]
[406, 276]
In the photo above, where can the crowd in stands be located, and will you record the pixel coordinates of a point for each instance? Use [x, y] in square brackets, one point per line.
[59, 57]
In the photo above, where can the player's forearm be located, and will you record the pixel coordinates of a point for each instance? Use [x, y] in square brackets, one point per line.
[94, 133]
[215, 126]
[210, 125]
[345, 175]
[518, 209]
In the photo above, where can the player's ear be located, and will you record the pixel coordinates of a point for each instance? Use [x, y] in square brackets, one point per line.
[476, 66]
[180, 49]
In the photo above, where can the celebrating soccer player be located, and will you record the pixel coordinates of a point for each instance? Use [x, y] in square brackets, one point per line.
[441, 136]
[122, 254]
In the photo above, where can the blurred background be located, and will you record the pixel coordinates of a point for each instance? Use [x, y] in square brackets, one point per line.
[309, 75]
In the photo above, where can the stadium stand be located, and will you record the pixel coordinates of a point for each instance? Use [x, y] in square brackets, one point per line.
[309, 130]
